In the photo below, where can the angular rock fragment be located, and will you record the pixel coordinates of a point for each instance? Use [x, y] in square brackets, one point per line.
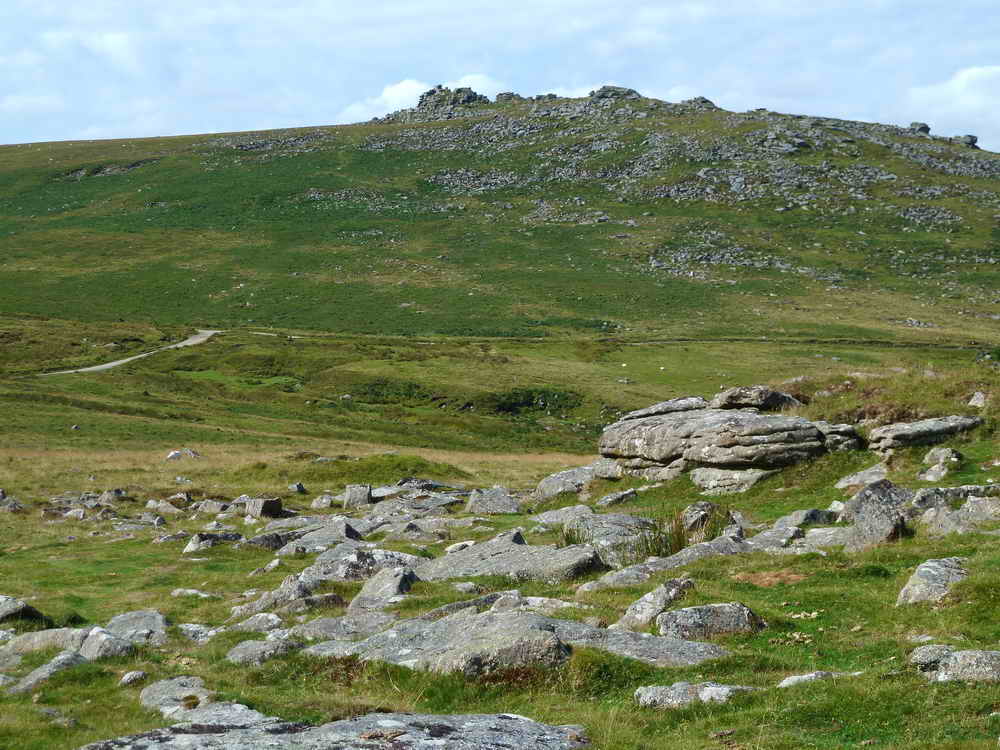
[144, 626]
[63, 661]
[682, 694]
[617, 537]
[493, 501]
[255, 653]
[882, 440]
[932, 580]
[383, 589]
[178, 693]
[727, 481]
[725, 544]
[645, 609]
[798, 679]
[508, 555]
[14, 609]
[754, 397]
[570, 480]
[864, 477]
[709, 620]
[970, 666]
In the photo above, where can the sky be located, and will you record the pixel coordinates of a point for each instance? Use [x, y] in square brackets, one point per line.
[137, 68]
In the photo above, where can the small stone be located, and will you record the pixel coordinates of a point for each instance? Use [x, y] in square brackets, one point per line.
[131, 678]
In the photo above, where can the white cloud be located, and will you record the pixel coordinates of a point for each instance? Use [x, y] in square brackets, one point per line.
[31, 104]
[406, 93]
[955, 105]
[400, 95]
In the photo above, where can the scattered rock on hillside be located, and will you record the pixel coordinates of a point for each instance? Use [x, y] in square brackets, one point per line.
[808, 517]
[460, 732]
[353, 626]
[570, 480]
[727, 481]
[799, 679]
[63, 661]
[496, 500]
[132, 678]
[759, 397]
[877, 515]
[682, 694]
[978, 400]
[709, 620]
[840, 437]
[466, 642]
[255, 653]
[508, 555]
[385, 588]
[881, 493]
[615, 498]
[178, 693]
[618, 537]
[970, 666]
[141, 627]
[15, 609]
[932, 580]
[102, 644]
[562, 516]
[687, 403]
[729, 543]
[882, 440]
[928, 658]
[645, 609]
[206, 540]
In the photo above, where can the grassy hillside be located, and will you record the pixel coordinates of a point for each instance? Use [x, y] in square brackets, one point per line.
[470, 292]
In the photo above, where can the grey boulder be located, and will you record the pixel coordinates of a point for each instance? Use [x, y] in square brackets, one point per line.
[64, 660]
[508, 555]
[493, 501]
[727, 481]
[901, 434]
[709, 620]
[12, 608]
[141, 627]
[932, 580]
[969, 666]
[255, 653]
[754, 397]
[864, 477]
[645, 609]
[682, 694]
[617, 537]
[720, 438]
[570, 480]
[466, 642]
[178, 693]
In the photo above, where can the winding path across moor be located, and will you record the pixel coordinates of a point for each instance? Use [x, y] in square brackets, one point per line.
[199, 338]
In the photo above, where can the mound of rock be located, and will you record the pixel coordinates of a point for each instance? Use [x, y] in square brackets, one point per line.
[231, 729]
[883, 440]
[509, 555]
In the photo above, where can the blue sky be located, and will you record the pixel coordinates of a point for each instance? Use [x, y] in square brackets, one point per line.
[114, 69]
